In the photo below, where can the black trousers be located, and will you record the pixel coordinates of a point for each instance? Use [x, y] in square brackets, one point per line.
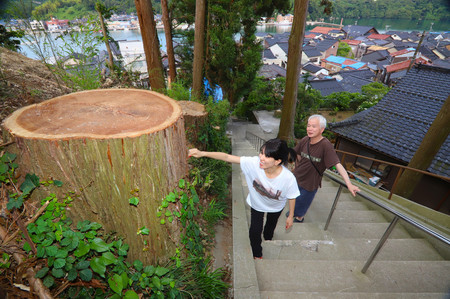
[256, 229]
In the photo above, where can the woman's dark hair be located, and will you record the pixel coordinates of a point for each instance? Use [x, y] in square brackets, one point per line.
[278, 149]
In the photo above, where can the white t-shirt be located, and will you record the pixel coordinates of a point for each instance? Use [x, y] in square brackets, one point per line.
[268, 195]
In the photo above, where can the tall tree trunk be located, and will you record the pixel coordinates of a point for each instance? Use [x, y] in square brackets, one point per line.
[105, 36]
[431, 143]
[144, 11]
[286, 131]
[199, 44]
[169, 42]
[106, 146]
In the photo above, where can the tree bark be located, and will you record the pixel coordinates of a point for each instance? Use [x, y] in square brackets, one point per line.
[195, 116]
[199, 44]
[144, 11]
[431, 143]
[169, 42]
[286, 131]
[108, 146]
[105, 36]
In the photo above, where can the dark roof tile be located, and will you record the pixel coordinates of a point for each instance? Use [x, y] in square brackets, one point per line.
[397, 125]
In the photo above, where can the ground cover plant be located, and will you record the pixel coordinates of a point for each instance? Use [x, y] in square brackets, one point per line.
[82, 261]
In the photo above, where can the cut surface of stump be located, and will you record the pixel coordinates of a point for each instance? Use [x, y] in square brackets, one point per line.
[115, 113]
[195, 116]
[107, 146]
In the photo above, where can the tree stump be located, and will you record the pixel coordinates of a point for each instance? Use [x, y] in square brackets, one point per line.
[108, 146]
[195, 116]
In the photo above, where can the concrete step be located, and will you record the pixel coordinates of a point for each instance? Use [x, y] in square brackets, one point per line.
[346, 276]
[341, 215]
[350, 249]
[314, 231]
[319, 203]
[333, 295]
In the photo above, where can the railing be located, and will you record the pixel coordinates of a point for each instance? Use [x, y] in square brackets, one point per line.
[397, 215]
[257, 142]
[401, 167]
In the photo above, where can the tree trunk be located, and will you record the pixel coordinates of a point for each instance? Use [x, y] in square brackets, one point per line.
[195, 116]
[431, 143]
[144, 11]
[169, 42]
[199, 44]
[105, 36]
[108, 146]
[286, 131]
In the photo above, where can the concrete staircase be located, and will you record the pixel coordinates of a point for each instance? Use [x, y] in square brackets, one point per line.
[308, 262]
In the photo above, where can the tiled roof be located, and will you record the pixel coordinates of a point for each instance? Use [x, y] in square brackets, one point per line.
[327, 86]
[403, 65]
[270, 71]
[401, 52]
[355, 30]
[375, 56]
[352, 42]
[323, 30]
[353, 84]
[362, 74]
[326, 44]
[311, 52]
[345, 62]
[267, 53]
[397, 125]
[378, 36]
[312, 68]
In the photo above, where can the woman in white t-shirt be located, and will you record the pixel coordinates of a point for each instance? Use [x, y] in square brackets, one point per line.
[270, 184]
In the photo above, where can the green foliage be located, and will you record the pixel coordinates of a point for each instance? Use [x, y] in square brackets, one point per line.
[10, 39]
[344, 50]
[372, 94]
[178, 91]
[197, 277]
[309, 100]
[265, 95]
[90, 264]
[343, 100]
[80, 47]
[383, 9]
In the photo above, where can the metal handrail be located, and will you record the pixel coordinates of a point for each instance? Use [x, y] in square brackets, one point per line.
[252, 138]
[398, 215]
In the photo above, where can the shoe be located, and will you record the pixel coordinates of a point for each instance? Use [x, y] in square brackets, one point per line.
[299, 221]
[257, 258]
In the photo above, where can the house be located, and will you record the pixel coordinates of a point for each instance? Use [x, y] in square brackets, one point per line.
[328, 47]
[354, 45]
[312, 54]
[393, 130]
[313, 69]
[57, 25]
[353, 31]
[336, 63]
[375, 56]
[379, 36]
[326, 86]
[323, 30]
[363, 74]
[394, 72]
[271, 71]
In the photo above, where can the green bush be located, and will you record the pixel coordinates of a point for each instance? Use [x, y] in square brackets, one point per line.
[265, 95]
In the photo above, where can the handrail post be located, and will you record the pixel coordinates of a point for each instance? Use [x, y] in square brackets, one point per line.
[380, 244]
[333, 207]
[400, 171]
